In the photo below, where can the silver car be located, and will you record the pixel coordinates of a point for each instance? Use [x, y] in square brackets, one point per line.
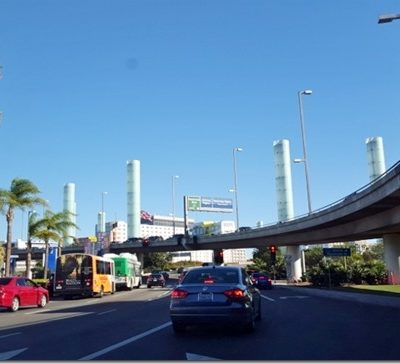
[215, 295]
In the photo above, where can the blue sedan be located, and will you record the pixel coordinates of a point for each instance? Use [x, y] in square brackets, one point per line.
[216, 295]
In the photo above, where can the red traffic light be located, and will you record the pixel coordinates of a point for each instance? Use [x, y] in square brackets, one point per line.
[272, 248]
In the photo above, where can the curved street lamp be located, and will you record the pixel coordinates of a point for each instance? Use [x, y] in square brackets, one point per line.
[303, 137]
[388, 18]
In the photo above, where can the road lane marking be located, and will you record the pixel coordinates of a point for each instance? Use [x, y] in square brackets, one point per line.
[125, 342]
[10, 354]
[105, 312]
[268, 298]
[299, 297]
[12, 334]
[39, 311]
[192, 356]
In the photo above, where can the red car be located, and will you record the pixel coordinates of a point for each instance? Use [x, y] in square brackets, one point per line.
[16, 292]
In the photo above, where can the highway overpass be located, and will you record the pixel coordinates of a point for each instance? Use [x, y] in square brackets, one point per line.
[372, 211]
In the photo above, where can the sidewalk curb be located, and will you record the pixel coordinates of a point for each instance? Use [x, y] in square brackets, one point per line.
[349, 296]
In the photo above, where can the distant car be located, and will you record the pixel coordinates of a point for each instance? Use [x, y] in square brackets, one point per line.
[163, 272]
[155, 279]
[261, 280]
[215, 295]
[244, 228]
[155, 238]
[16, 292]
[134, 240]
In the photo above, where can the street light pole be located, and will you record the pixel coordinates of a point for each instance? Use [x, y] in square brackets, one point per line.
[173, 203]
[303, 137]
[236, 149]
[29, 246]
[103, 220]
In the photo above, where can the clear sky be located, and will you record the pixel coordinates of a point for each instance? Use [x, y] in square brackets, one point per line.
[177, 84]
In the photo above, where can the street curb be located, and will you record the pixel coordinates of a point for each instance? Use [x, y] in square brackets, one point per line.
[349, 296]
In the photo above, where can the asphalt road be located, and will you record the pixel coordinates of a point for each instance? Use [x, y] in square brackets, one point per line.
[135, 325]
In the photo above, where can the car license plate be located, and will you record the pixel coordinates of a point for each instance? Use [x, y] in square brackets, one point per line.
[205, 297]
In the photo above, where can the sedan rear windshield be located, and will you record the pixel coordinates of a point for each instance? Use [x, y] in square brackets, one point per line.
[4, 281]
[214, 275]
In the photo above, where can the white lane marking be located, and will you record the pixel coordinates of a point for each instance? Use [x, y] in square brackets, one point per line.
[10, 354]
[268, 298]
[105, 312]
[286, 297]
[39, 311]
[192, 356]
[13, 334]
[125, 342]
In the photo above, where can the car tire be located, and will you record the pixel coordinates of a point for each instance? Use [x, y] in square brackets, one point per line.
[178, 328]
[250, 326]
[14, 304]
[148, 286]
[42, 301]
[259, 315]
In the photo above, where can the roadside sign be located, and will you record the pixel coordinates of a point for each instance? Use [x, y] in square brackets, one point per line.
[209, 204]
[336, 252]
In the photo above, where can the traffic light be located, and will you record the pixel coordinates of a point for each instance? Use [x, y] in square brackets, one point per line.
[272, 250]
[218, 256]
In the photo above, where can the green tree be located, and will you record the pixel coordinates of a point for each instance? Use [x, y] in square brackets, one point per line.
[262, 262]
[22, 194]
[156, 260]
[52, 227]
[313, 256]
[373, 252]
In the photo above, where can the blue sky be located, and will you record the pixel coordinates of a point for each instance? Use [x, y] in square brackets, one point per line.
[89, 85]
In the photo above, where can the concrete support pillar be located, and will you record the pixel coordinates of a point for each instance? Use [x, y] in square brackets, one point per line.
[391, 253]
[284, 193]
[293, 263]
[140, 258]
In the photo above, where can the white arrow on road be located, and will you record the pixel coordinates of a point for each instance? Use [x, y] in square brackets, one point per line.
[10, 354]
[192, 356]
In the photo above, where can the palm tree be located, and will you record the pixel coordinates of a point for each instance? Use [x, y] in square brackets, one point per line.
[22, 193]
[52, 227]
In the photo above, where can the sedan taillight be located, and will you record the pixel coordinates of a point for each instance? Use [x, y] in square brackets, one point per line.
[235, 293]
[179, 293]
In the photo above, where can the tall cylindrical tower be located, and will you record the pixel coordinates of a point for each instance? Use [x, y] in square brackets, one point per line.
[284, 194]
[283, 180]
[70, 205]
[133, 198]
[375, 156]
